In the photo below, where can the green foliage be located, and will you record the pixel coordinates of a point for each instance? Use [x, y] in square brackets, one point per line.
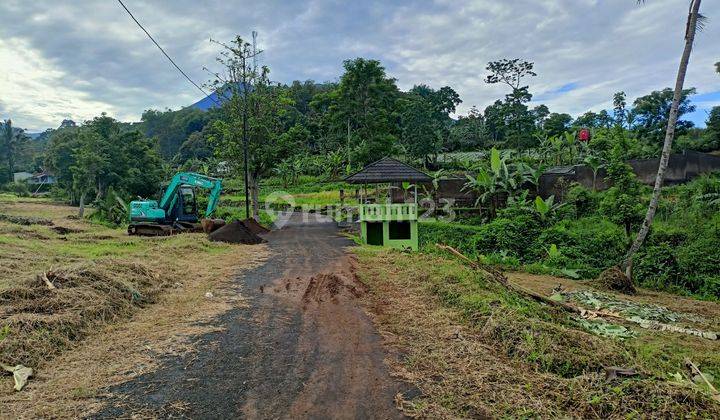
[590, 244]
[171, 129]
[584, 201]
[13, 146]
[623, 203]
[358, 115]
[651, 112]
[20, 189]
[99, 157]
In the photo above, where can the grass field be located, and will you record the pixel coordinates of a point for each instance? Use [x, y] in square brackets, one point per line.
[102, 277]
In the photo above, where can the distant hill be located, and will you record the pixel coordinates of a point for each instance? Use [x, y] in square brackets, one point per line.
[212, 100]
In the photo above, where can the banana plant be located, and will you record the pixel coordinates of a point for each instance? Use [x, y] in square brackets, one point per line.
[491, 185]
[595, 163]
[545, 208]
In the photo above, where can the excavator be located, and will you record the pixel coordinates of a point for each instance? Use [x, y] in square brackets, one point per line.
[177, 210]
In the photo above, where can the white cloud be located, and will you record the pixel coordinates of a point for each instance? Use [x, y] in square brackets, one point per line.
[34, 89]
[87, 56]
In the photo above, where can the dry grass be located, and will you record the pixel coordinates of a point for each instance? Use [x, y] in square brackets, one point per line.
[475, 352]
[88, 334]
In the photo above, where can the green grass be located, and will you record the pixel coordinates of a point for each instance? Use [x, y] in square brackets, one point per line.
[538, 334]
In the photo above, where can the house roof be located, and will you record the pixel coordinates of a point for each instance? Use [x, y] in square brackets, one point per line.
[387, 170]
[561, 170]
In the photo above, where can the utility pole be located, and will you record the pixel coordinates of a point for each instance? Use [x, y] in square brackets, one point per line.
[245, 138]
[254, 46]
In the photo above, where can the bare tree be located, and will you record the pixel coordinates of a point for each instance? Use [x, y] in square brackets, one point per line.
[693, 20]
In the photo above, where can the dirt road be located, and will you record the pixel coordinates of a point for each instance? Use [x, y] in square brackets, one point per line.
[302, 348]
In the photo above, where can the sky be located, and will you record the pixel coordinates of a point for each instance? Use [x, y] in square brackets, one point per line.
[75, 59]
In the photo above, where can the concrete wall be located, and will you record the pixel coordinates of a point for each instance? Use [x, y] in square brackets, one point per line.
[681, 168]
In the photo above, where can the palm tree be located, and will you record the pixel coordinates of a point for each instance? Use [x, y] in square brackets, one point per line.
[691, 28]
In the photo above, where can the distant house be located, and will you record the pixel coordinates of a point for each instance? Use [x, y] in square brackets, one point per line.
[42, 178]
[21, 176]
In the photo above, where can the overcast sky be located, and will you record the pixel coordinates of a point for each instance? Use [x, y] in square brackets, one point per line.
[75, 59]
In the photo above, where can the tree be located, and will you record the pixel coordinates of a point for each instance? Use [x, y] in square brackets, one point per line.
[13, 143]
[468, 132]
[651, 114]
[99, 156]
[251, 131]
[425, 120]
[172, 128]
[557, 124]
[619, 109]
[711, 136]
[510, 121]
[691, 28]
[359, 115]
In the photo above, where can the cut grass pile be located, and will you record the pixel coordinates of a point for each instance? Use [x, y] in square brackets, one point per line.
[475, 349]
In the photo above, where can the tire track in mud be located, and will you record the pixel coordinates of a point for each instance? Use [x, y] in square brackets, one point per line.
[302, 349]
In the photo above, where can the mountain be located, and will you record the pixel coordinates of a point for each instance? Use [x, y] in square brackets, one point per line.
[213, 99]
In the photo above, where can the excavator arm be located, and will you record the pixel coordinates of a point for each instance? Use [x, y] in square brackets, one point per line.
[194, 180]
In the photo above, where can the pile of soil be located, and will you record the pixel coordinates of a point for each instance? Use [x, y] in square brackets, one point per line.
[47, 314]
[65, 230]
[253, 226]
[235, 233]
[332, 287]
[615, 280]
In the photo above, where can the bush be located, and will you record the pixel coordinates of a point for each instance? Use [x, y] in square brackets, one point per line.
[591, 244]
[656, 267]
[584, 201]
[509, 235]
[456, 235]
[20, 189]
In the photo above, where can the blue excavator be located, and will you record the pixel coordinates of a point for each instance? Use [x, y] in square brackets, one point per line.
[177, 210]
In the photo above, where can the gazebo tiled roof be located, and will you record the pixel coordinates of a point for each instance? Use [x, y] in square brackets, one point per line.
[387, 170]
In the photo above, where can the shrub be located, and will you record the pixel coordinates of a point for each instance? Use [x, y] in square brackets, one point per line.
[18, 188]
[699, 259]
[584, 201]
[591, 244]
[456, 235]
[656, 267]
[509, 235]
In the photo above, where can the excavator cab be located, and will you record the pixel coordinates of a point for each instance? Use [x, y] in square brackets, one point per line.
[185, 208]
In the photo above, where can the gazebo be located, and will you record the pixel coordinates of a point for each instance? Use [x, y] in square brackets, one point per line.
[392, 224]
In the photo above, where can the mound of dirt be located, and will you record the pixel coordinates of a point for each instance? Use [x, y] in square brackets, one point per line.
[615, 280]
[47, 314]
[235, 233]
[331, 286]
[65, 230]
[25, 221]
[253, 226]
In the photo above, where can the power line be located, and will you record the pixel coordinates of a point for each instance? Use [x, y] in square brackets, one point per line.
[166, 54]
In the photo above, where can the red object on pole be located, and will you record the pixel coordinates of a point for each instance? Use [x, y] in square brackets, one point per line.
[584, 135]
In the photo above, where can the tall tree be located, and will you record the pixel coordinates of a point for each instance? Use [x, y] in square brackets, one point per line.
[255, 106]
[13, 142]
[509, 121]
[651, 114]
[359, 115]
[690, 30]
[557, 124]
[425, 119]
[619, 108]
